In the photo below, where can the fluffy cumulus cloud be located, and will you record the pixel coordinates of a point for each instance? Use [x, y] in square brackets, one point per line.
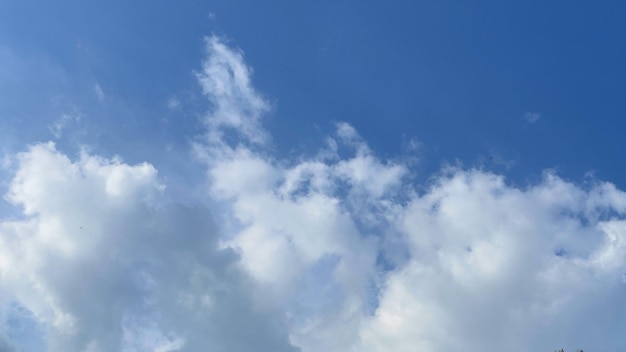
[494, 267]
[336, 250]
[471, 263]
[105, 267]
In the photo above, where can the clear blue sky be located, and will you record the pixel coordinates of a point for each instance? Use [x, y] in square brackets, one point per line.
[505, 89]
[457, 75]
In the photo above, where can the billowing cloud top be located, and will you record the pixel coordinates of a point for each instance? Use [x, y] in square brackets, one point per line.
[339, 251]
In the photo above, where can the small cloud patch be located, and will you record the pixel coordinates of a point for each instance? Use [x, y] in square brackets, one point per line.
[532, 117]
[98, 92]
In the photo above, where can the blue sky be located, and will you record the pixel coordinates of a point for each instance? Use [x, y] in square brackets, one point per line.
[352, 158]
[412, 69]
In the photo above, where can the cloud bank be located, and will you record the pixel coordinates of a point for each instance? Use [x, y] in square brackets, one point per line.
[337, 250]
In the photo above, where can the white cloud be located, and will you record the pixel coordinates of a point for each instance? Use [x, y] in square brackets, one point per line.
[98, 92]
[225, 80]
[173, 103]
[170, 346]
[487, 265]
[484, 271]
[330, 252]
[532, 117]
[62, 123]
[96, 256]
[291, 222]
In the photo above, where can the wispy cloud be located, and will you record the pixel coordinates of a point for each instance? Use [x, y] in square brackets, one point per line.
[98, 92]
[58, 126]
[532, 117]
[226, 82]
[173, 103]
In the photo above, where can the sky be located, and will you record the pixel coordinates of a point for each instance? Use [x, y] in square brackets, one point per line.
[343, 175]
